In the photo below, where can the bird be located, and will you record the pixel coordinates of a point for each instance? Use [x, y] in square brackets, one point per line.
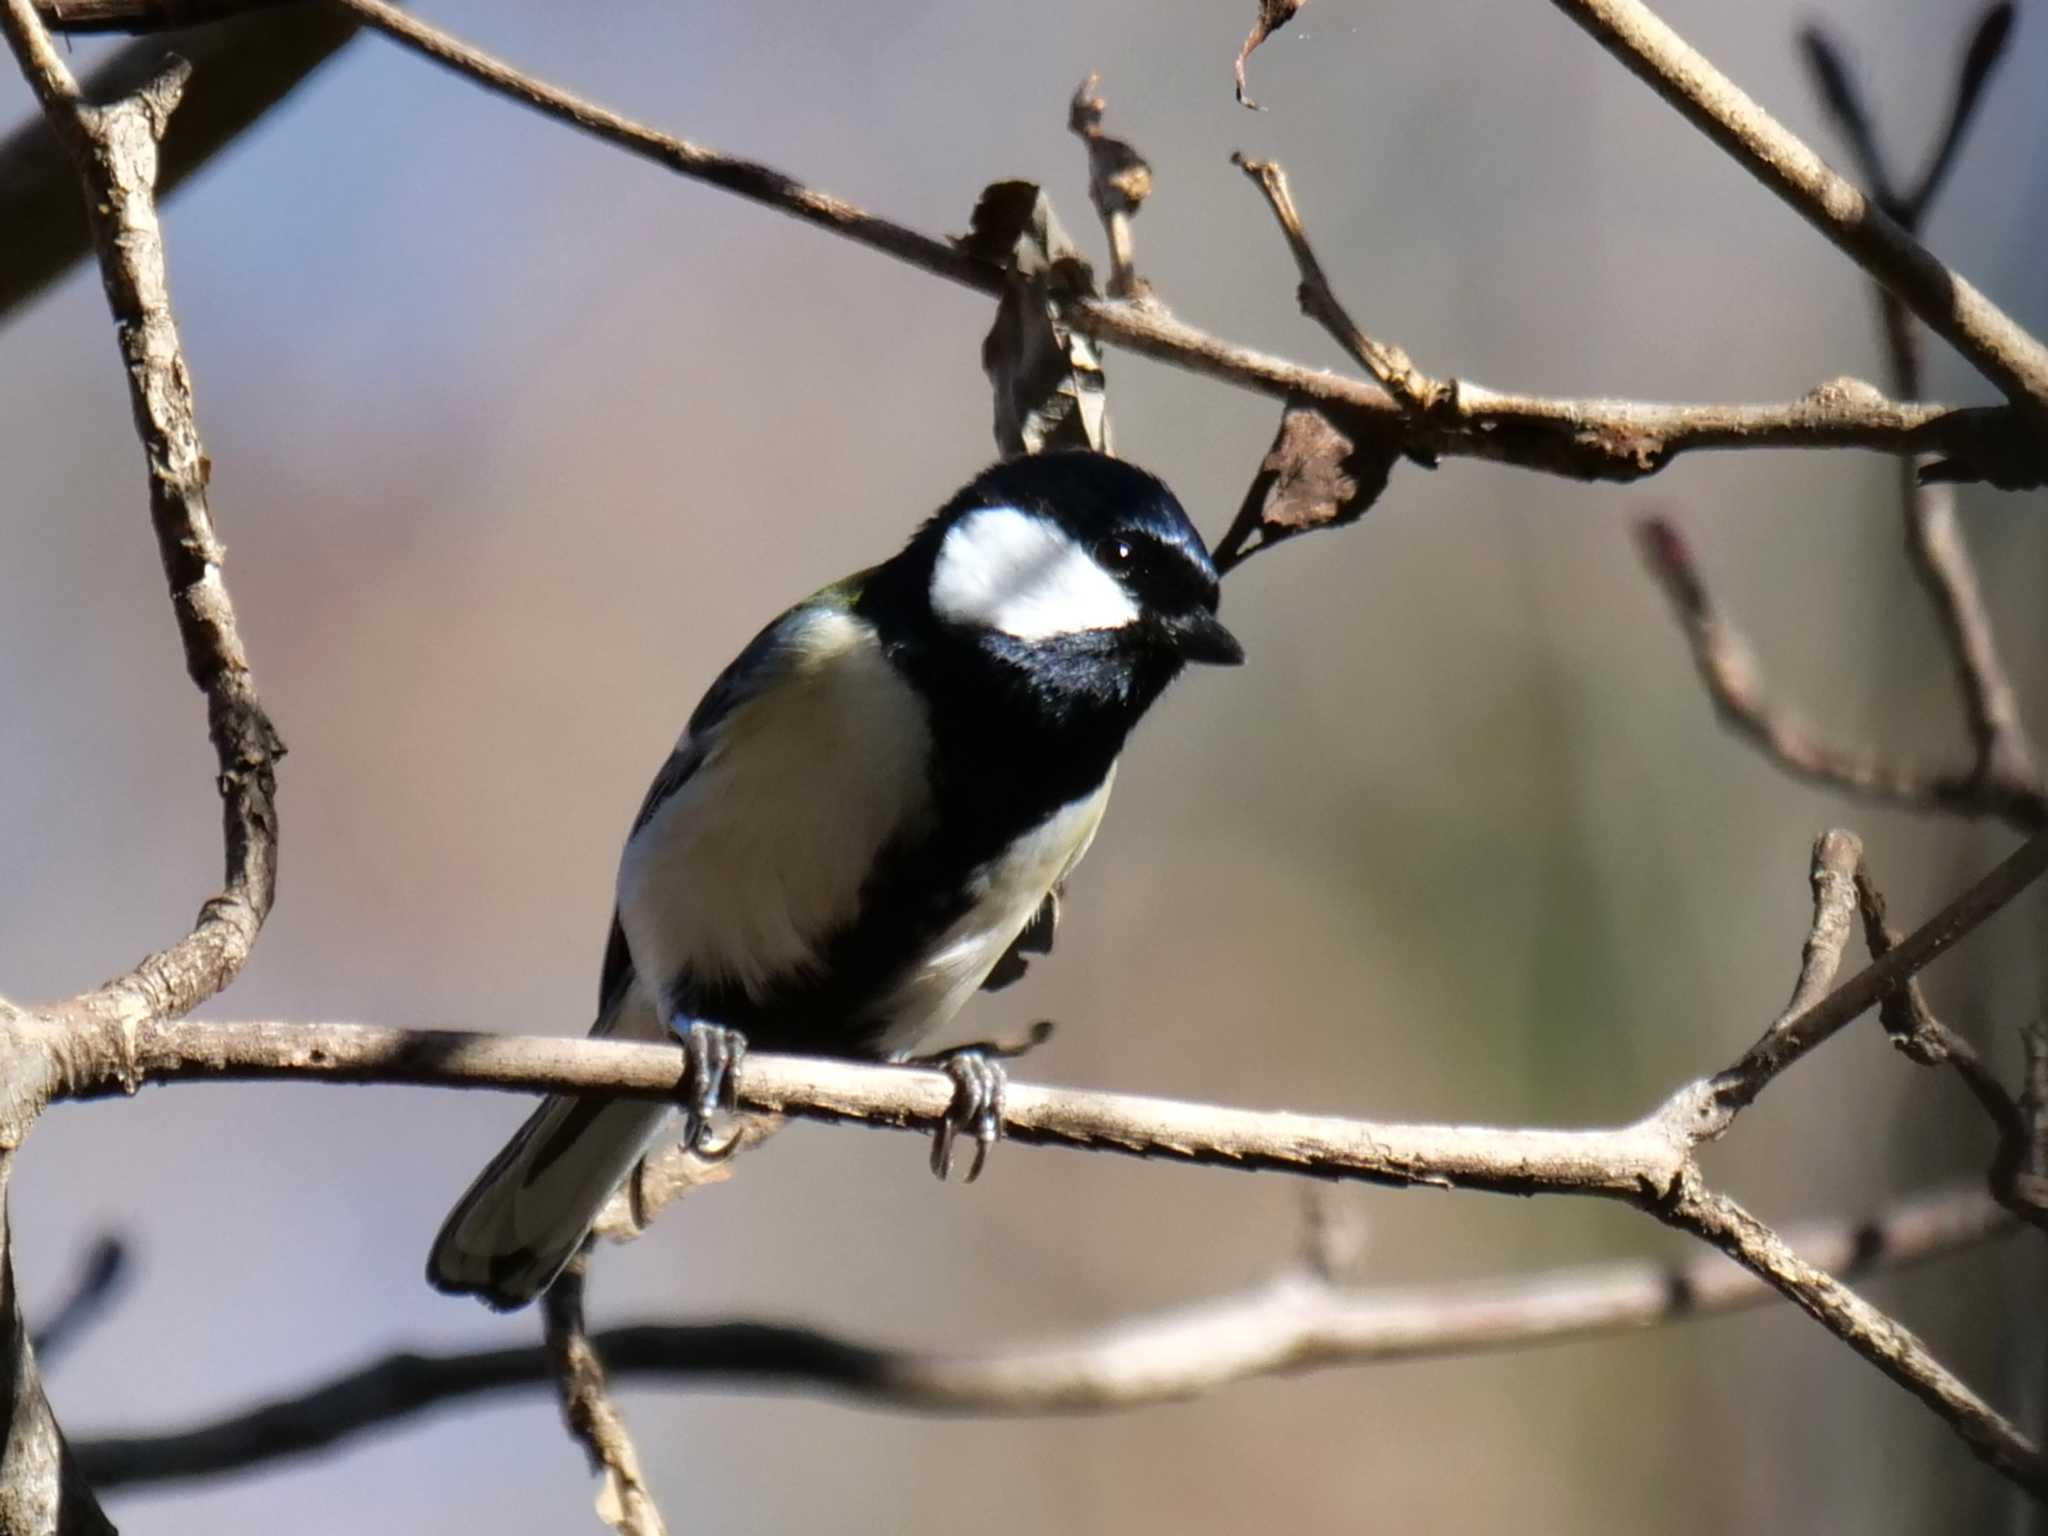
[869, 817]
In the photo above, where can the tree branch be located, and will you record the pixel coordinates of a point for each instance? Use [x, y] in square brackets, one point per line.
[1934, 537]
[1734, 682]
[1647, 1164]
[2003, 351]
[623, 1501]
[115, 151]
[1583, 439]
[248, 64]
[1298, 1321]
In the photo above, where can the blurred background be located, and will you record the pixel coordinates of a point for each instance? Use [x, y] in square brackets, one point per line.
[516, 440]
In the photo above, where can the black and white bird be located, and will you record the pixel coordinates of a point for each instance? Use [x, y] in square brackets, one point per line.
[869, 817]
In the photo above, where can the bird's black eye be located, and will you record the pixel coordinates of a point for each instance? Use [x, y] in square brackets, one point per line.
[1114, 554]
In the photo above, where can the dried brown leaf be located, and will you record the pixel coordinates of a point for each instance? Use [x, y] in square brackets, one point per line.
[1273, 15]
[1326, 468]
[1050, 391]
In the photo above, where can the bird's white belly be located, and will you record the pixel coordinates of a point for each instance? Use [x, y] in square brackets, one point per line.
[1005, 895]
[759, 858]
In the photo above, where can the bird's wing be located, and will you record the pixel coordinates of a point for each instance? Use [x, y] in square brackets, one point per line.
[807, 758]
[1034, 939]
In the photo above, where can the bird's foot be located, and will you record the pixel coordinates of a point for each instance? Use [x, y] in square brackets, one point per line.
[976, 1110]
[711, 1057]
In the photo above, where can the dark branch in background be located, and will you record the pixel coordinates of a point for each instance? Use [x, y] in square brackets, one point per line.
[623, 1500]
[99, 1280]
[1299, 1321]
[247, 65]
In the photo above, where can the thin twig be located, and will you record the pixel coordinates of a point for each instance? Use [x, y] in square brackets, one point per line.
[1934, 537]
[594, 1422]
[1734, 682]
[2001, 350]
[1119, 181]
[1416, 392]
[1583, 439]
[1294, 1323]
[1923, 1038]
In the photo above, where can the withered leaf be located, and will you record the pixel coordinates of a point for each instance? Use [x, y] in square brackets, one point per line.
[1050, 391]
[1273, 15]
[1326, 467]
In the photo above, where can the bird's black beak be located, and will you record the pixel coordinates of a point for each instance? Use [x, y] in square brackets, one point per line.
[1199, 636]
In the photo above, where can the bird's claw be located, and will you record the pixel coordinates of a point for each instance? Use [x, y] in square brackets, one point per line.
[976, 1110]
[711, 1058]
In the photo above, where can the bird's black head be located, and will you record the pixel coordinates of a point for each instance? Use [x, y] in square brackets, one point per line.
[1041, 611]
[1078, 571]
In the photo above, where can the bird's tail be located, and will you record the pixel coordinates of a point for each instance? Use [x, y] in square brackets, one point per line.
[527, 1213]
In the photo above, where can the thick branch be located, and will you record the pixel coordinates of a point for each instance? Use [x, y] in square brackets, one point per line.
[1297, 1322]
[2003, 351]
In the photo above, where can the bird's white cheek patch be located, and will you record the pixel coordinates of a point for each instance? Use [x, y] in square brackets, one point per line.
[1014, 571]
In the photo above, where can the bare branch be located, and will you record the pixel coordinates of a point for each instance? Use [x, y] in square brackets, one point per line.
[1934, 538]
[1415, 391]
[1788, 1040]
[248, 65]
[1883, 1341]
[2003, 351]
[115, 151]
[1923, 1038]
[1119, 181]
[1294, 1323]
[594, 1421]
[1583, 439]
[1733, 680]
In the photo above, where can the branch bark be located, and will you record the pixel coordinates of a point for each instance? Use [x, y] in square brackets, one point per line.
[1299, 1321]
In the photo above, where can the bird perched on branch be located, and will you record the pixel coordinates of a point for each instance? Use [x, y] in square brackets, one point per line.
[868, 818]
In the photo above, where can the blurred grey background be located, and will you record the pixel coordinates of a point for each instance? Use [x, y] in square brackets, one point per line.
[516, 440]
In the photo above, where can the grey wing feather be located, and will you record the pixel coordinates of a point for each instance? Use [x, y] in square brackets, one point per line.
[1034, 939]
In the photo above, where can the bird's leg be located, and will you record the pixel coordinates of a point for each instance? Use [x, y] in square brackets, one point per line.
[976, 1110]
[711, 1057]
